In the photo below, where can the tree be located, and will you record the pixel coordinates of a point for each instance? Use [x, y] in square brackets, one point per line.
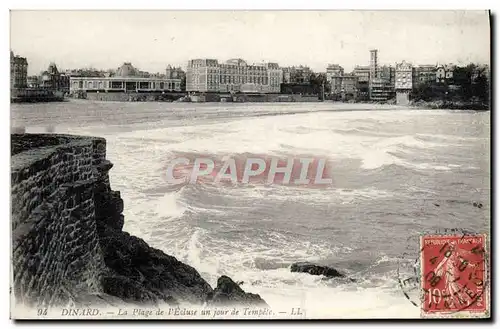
[481, 85]
[430, 91]
[462, 78]
[472, 82]
[183, 82]
[319, 81]
[296, 76]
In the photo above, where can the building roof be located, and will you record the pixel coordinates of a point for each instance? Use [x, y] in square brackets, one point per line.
[404, 65]
[236, 61]
[427, 66]
[52, 69]
[447, 67]
[17, 59]
[129, 78]
[126, 70]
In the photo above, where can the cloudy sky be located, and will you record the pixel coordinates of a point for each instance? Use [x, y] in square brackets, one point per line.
[153, 39]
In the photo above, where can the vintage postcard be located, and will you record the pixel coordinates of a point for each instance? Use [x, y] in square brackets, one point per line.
[251, 165]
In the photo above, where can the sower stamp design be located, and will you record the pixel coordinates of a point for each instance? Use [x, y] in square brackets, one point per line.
[453, 275]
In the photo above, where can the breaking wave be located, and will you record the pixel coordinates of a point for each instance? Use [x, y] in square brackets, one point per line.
[391, 168]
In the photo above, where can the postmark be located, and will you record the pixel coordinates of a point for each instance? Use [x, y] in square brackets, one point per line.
[408, 271]
[445, 274]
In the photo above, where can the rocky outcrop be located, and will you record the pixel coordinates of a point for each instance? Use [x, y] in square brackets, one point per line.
[314, 269]
[229, 293]
[136, 272]
[68, 242]
[452, 104]
[141, 274]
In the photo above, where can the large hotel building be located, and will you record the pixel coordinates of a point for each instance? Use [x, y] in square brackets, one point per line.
[235, 75]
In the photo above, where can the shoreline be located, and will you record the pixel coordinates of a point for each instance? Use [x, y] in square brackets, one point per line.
[342, 106]
[451, 105]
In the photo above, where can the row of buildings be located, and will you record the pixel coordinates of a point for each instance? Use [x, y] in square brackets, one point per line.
[49, 86]
[125, 78]
[373, 82]
[50, 79]
[380, 83]
[236, 75]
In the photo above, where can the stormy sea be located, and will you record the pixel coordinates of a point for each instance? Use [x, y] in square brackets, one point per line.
[397, 172]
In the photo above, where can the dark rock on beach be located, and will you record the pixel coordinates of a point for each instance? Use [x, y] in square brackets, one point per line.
[229, 293]
[314, 269]
[477, 204]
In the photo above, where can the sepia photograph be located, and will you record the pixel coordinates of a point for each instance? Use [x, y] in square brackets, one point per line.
[250, 164]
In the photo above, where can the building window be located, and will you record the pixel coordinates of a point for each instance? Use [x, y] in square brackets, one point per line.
[116, 84]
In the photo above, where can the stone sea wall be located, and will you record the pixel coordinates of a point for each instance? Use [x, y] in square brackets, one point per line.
[68, 246]
[253, 98]
[53, 227]
[200, 98]
[133, 96]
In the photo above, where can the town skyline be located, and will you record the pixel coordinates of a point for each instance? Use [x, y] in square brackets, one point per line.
[153, 40]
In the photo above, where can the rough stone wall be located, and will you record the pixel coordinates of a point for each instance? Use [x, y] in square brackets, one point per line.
[402, 98]
[270, 98]
[55, 247]
[206, 97]
[133, 96]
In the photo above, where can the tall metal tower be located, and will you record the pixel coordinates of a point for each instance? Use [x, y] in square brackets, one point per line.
[374, 71]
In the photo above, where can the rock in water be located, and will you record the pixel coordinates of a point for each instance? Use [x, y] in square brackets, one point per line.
[477, 204]
[314, 269]
[229, 293]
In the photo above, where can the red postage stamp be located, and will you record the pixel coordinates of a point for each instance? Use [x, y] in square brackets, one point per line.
[453, 275]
